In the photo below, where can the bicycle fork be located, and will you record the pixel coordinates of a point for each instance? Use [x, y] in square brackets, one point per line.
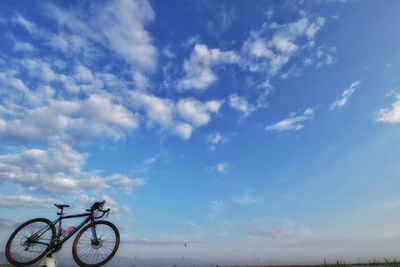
[94, 235]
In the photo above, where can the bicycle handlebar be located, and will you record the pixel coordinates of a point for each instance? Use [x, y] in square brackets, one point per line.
[98, 206]
[105, 212]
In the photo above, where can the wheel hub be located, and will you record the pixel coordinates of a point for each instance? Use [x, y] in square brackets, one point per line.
[30, 241]
[96, 244]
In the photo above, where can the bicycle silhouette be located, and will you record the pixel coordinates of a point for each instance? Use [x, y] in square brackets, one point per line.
[95, 244]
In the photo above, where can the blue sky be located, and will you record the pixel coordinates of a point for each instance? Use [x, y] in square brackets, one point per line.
[263, 131]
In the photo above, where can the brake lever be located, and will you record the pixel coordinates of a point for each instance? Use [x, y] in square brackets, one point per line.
[108, 212]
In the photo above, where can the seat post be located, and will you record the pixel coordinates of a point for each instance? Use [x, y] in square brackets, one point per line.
[61, 212]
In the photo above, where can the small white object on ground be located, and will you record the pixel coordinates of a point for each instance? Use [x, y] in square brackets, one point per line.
[48, 262]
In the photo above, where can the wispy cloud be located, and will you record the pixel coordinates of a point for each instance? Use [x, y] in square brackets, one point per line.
[215, 139]
[23, 47]
[151, 160]
[345, 96]
[221, 168]
[217, 206]
[277, 228]
[153, 242]
[25, 23]
[388, 205]
[293, 122]
[246, 198]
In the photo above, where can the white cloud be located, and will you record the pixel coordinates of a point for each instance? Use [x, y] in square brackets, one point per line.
[71, 44]
[195, 112]
[293, 122]
[82, 74]
[38, 69]
[122, 24]
[390, 115]
[58, 170]
[123, 182]
[345, 96]
[58, 159]
[270, 48]
[46, 114]
[141, 81]
[184, 130]
[315, 27]
[103, 110]
[24, 201]
[199, 67]
[118, 25]
[283, 44]
[258, 48]
[158, 110]
[67, 120]
[242, 105]
[10, 82]
[180, 118]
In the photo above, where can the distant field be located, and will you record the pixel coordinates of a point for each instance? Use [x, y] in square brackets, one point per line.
[389, 263]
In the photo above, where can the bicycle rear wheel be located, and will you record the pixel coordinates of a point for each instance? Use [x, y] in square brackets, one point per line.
[92, 253]
[30, 242]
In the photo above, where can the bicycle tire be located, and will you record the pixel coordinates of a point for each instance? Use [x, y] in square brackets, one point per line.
[81, 245]
[12, 255]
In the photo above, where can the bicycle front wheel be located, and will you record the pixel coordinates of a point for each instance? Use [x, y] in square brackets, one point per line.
[96, 244]
[30, 242]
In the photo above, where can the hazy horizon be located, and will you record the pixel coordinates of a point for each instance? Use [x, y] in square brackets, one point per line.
[251, 131]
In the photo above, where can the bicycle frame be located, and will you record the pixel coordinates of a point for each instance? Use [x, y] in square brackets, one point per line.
[77, 228]
[90, 217]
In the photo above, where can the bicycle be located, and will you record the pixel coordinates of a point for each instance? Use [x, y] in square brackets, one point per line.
[95, 244]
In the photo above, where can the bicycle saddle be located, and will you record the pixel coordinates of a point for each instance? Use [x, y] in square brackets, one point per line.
[61, 206]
